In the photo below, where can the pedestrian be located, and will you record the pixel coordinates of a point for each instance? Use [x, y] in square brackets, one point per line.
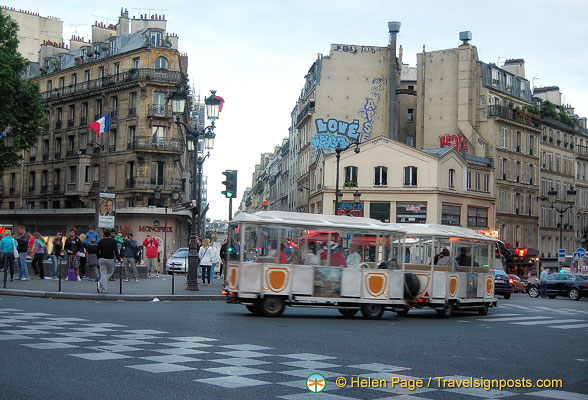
[215, 261]
[151, 244]
[91, 234]
[72, 247]
[92, 257]
[83, 258]
[543, 281]
[223, 255]
[57, 247]
[8, 247]
[38, 255]
[129, 250]
[118, 237]
[206, 255]
[107, 253]
[23, 244]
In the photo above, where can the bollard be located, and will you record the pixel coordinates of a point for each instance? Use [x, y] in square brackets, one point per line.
[59, 273]
[4, 259]
[173, 275]
[121, 277]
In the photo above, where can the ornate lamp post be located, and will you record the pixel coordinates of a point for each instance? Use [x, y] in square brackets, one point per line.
[552, 198]
[338, 151]
[193, 136]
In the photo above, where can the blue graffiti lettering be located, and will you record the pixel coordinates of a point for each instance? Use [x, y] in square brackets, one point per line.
[368, 112]
[332, 125]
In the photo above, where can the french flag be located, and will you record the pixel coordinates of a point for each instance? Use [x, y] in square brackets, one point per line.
[102, 125]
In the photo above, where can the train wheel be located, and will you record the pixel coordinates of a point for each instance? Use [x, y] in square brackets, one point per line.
[272, 306]
[447, 311]
[372, 311]
[348, 312]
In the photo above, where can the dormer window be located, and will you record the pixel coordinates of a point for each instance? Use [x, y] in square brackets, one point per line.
[155, 38]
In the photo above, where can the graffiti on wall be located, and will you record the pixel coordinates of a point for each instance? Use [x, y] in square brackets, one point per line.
[458, 141]
[358, 49]
[367, 112]
[378, 86]
[334, 132]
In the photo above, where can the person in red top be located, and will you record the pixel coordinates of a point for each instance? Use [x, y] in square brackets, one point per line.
[151, 244]
[337, 259]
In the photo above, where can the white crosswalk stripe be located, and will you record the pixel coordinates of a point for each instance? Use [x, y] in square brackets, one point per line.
[549, 321]
[509, 319]
[570, 326]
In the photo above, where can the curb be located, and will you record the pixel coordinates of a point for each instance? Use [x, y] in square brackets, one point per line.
[110, 297]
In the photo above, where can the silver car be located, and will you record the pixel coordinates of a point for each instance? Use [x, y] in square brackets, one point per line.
[178, 262]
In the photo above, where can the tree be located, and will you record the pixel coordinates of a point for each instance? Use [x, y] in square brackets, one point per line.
[21, 106]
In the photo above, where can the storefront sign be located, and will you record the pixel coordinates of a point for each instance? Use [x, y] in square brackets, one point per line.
[350, 208]
[147, 228]
[411, 212]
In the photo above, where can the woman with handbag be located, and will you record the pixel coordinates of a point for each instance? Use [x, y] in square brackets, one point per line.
[9, 252]
[38, 254]
[55, 253]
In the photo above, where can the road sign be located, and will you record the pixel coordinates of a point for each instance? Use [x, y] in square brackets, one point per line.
[579, 254]
[561, 255]
[184, 206]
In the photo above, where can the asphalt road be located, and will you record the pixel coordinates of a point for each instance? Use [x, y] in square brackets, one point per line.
[64, 349]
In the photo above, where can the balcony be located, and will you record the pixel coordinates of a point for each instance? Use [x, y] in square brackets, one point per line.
[31, 189]
[56, 188]
[45, 156]
[112, 148]
[581, 150]
[306, 111]
[137, 75]
[97, 150]
[95, 185]
[84, 120]
[44, 188]
[70, 123]
[147, 143]
[132, 112]
[159, 111]
[12, 190]
[57, 155]
[82, 152]
[114, 114]
[130, 183]
[58, 124]
[69, 153]
[509, 114]
[97, 116]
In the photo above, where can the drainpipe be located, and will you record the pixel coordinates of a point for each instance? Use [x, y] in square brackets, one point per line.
[393, 29]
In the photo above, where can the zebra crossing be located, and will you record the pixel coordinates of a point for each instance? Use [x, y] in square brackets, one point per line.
[547, 317]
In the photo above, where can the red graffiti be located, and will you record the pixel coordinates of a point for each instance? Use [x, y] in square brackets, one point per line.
[458, 141]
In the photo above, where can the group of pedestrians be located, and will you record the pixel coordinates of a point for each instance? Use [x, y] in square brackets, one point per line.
[14, 249]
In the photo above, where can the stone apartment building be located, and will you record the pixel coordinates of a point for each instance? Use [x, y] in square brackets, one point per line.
[127, 71]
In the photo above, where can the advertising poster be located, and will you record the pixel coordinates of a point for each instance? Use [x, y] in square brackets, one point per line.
[472, 292]
[411, 212]
[106, 210]
[327, 282]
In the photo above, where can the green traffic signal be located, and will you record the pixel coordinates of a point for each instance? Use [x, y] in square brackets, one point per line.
[230, 183]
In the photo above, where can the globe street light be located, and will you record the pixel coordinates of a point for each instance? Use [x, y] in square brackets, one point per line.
[193, 136]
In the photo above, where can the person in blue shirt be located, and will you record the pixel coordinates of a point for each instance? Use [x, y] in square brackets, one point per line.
[7, 246]
[407, 255]
[543, 280]
[91, 234]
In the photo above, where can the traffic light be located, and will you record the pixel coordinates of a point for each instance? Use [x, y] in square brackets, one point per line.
[230, 183]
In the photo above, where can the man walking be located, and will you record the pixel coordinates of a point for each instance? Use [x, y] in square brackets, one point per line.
[129, 250]
[151, 244]
[543, 281]
[107, 253]
[22, 245]
[72, 248]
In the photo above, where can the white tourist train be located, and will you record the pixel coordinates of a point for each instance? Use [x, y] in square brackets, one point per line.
[353, 264]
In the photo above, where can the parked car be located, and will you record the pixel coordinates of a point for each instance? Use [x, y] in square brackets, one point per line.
[517, 282]
[573, 286]
[502, 287]
[178, 262]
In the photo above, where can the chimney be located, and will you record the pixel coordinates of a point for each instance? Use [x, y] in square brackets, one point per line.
[393, 29]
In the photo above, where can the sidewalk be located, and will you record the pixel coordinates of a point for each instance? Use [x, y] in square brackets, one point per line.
[143, 290]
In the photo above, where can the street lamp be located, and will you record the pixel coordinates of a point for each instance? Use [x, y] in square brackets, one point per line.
[307, 198]
[193, 136]
[552, 197]
[338, 151]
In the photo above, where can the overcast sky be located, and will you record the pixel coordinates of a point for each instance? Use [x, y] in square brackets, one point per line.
[255, 53]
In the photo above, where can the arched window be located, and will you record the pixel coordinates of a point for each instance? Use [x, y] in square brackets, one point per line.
[380, 176]
[161, 63]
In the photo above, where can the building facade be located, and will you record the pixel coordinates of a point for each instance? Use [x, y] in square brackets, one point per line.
[125, 71]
